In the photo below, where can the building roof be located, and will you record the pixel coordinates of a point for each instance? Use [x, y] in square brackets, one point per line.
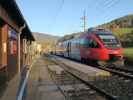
[15, 14]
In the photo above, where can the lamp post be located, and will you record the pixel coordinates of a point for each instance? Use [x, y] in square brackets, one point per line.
[20, 31]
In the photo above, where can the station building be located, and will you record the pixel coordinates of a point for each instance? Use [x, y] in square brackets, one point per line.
[11, 19]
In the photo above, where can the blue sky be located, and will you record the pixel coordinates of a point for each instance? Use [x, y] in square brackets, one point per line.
[60, 17]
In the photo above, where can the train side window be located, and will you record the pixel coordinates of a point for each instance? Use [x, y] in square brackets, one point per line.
[93, 44]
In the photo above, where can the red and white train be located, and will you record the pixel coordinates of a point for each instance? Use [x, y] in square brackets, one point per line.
[97, 45]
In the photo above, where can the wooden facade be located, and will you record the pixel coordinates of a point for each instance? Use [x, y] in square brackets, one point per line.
[11, 19]
[3, 45]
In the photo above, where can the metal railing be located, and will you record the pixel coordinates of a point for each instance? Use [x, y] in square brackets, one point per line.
[23, 83]
[22, 91]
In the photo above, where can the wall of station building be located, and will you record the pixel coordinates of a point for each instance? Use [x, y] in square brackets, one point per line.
[9, 50]
[3, 46]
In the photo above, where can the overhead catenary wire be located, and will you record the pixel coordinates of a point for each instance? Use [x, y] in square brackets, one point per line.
[100, 6]
[104, 5]
[108, 7]
[108, 3]
[113, 3]
[104, 8]
[60, 8]
[57, 13]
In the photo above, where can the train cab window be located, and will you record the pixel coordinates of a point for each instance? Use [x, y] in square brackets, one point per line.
[93, 44]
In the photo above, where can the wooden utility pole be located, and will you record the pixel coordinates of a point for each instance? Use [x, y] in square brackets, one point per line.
[84, 19]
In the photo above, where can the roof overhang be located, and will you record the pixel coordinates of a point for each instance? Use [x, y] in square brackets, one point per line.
[16, 16]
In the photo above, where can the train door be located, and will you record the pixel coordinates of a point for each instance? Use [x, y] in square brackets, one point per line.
[84, 48]
[69, 49]
[94, 49]
[77, 51]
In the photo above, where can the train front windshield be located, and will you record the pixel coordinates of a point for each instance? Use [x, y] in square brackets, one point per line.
[110, 40]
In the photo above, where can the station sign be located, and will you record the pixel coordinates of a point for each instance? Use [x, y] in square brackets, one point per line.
[13, 41]
[12, 34]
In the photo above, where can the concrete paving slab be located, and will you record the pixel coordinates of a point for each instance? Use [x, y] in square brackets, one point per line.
[11, 89]
[40, 85]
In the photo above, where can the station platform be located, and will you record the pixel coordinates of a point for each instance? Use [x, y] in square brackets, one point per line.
[40, 85]
[81, 70]
[9, 90]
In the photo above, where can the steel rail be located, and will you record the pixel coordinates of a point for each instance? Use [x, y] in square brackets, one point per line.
[114, 71]
[57, 85]
[123, 69]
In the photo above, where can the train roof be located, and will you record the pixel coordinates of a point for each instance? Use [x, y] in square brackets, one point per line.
[100, 31]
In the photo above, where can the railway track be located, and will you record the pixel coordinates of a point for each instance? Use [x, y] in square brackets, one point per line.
[119, 86]
[119, 71]
[83, 88]
[116, 70]
[124, 69]
[74, 89]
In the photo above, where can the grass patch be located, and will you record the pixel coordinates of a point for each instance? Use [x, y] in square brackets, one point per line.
[128, 52]
[122, 31]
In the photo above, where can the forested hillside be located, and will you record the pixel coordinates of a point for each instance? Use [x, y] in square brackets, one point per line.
[121, 27]
[123, 22]
[47, 41]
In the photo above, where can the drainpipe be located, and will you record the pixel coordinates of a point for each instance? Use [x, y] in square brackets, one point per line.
[20, 31]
